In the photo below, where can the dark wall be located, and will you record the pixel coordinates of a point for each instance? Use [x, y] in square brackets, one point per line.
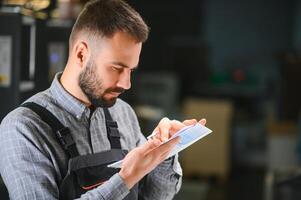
[167, 19]
[248, 30]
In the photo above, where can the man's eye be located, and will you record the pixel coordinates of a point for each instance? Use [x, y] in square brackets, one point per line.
[119, 69]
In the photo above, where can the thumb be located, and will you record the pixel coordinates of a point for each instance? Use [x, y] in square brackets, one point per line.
[151, 145]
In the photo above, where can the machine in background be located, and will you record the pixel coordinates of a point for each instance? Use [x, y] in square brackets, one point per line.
[32, 50]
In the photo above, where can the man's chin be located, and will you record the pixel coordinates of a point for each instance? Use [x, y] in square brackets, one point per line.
[104, 103]
[110, 103]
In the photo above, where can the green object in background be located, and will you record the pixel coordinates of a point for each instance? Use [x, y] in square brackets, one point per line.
[234, 77]
[220, 78]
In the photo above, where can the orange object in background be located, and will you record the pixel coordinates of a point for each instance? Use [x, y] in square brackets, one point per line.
[211, 155]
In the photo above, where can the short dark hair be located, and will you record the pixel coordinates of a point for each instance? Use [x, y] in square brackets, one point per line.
[103, 18]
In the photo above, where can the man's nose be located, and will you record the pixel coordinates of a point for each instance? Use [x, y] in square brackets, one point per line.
[125, 80]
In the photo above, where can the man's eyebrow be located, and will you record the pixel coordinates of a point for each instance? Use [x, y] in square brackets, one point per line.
[123, 65]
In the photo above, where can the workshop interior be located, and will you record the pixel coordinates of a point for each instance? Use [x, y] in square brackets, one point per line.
[236, 63]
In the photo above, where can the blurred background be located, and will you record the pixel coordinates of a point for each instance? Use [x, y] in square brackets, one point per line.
[236, 63]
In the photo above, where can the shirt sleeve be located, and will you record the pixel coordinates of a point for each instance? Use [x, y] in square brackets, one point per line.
[164, 181]
[25, 169]
[29, 173]
[113, 189]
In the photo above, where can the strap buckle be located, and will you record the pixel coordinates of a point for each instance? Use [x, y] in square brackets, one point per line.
[112, 124]
[65, 137]
[112, 129]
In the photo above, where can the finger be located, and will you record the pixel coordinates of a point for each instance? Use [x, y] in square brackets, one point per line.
[150, 145]
[164, 156]
[166, 153]
[175, 126]
[168, 146]
[203, 122]
[164, 127]
[189, 122]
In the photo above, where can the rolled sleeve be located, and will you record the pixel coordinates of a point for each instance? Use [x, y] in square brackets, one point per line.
[113, 189]
[163, 182]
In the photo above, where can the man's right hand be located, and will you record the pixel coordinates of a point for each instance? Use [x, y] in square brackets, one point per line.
[143, 159]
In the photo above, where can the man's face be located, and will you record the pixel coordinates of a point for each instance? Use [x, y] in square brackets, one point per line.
[107, 73]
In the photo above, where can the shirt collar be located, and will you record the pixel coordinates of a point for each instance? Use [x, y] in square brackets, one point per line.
[65, 99]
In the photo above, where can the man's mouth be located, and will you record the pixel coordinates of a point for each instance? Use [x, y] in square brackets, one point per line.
[115, 93]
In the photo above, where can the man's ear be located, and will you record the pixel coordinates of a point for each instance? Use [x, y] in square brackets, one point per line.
[81, 53]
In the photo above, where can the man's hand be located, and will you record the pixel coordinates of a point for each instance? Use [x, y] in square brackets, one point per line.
[142, 160]
[166, 128]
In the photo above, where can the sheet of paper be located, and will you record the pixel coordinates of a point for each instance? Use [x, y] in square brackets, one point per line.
[188, 136]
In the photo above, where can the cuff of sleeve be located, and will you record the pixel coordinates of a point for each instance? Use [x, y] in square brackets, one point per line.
[174, 162]
[176, 165]
[116, 188]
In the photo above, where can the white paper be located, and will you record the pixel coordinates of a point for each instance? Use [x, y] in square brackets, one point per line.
[188, 136]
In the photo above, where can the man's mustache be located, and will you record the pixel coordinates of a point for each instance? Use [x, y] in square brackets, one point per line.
[117, 90]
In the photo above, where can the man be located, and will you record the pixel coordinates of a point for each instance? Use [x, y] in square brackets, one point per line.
[59, 143]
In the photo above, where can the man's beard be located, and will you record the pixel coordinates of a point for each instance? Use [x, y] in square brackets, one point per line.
[91, 85]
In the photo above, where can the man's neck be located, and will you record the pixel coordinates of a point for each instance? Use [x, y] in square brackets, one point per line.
[72, 87]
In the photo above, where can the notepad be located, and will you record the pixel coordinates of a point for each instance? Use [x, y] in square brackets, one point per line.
[188, 135]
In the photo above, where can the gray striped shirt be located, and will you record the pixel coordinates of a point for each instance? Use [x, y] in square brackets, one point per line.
[33, 164]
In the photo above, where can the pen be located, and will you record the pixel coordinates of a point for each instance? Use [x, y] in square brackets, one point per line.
[155, 133]
[151, 135]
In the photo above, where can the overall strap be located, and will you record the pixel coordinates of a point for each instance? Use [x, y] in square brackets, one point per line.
[62, 133]
[112, 130]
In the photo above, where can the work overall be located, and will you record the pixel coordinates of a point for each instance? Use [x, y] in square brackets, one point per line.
[85, 172]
